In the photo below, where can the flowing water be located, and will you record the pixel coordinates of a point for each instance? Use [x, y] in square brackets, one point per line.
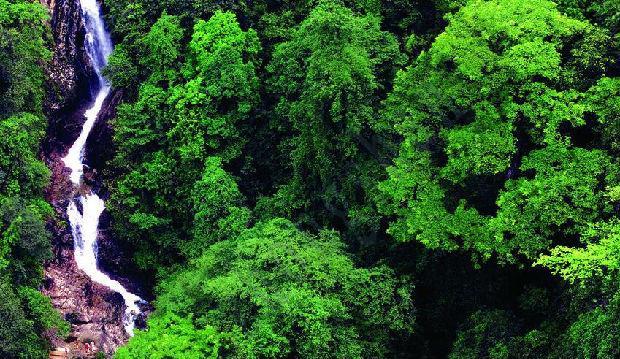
[84, 225]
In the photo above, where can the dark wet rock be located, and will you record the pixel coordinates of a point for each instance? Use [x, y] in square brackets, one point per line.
[141, 321]
[77, 318]
[115, 259]
[115, 299]
[100, 147]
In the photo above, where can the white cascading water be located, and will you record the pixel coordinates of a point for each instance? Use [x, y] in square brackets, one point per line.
[85, 225]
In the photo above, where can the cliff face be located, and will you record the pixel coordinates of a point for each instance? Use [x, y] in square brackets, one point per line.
[69, 74]
[95, 312]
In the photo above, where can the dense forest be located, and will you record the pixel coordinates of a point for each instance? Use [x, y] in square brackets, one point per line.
[27, 318]
[338, 178]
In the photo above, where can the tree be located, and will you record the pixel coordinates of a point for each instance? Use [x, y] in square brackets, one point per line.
[274, 291]
[218, 207]
[183, 115]
[220, 92]
[27, 319]
[162, 47]
[173, 337]
[17, 336]
[21, 171]
[23, 35]
[601, 256]
[488, 157]
[327, 78]
[486, 335]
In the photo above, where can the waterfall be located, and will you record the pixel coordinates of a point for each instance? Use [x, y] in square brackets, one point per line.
[84, 226]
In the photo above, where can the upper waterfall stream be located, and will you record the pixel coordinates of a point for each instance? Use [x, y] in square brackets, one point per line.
[85, 225]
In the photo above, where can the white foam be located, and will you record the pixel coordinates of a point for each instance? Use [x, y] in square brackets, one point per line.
[85, 230]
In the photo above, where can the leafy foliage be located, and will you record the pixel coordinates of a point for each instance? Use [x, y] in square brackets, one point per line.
[23, 35]
[295, 174]
[27, 318]
[273, 291]
[485, 164]
[183, 114]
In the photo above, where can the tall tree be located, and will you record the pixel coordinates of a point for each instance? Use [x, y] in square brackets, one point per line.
[328, 79]
[490, 160]
[184, 113]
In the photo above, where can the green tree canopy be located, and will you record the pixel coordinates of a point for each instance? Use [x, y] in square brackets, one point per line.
[23, 35]
[275, 292]
[183, 114]
[328, 78]
[487, 162]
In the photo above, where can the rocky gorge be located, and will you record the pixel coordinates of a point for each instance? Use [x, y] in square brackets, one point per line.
[94, 311]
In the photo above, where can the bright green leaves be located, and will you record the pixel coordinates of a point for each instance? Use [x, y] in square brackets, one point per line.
[39, 307]
[484, 147]
[601, 256]
[120, 70]
[24, 241]
[275, 291]
[218, 208]
[220, 37]
[487, 162]
[21, 172]
[154, 56]
[173, 337]
[561, 199]
[511, 39]
[25, 314]
[547, 109]
[185, 112]
[162, 49]
[604, 101]
[23, 49]
[17, 329]
[527, 60]
[417, 201]
[221, 91]
[328, 70]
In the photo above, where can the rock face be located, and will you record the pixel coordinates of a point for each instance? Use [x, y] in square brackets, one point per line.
[70, 72]
[94, 312]
[99, 145]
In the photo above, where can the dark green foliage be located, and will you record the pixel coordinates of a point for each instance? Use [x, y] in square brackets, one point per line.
[484, 336]
[328, 79]
[17, 336]
[27, 319]
[183, 113]
[21, 172]
[24, 244]
[596, 333]
[218, 209]
[22, 49]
